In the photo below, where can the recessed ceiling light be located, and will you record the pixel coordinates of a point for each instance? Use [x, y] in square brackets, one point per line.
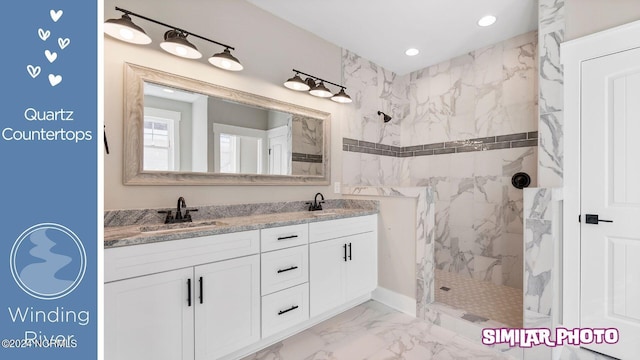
[487, 20]
[412, 52]
[170, 91]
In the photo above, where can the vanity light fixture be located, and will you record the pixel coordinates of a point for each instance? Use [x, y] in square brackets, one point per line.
[175, 40]
[125, 30]
[296, 83]
[320, 90]
[176, 43]
[316, 87]
[225, 60]
[342, 97]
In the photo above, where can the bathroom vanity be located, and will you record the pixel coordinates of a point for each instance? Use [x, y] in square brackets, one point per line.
[229, 288]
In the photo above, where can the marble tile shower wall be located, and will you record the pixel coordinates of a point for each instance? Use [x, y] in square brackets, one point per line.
[489, 92]
[551, 33]
[307, 149]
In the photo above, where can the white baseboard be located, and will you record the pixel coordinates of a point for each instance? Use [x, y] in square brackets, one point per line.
[394, 300]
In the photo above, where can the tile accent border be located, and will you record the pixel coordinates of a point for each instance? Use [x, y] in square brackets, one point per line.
[308, 158]
[509, 141]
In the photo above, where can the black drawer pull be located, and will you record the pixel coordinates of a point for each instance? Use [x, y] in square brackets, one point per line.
[189, 292]
[201, 293]
[345, 252]
[287, 237]
[289, 309]
[349, 251]
[287, 269]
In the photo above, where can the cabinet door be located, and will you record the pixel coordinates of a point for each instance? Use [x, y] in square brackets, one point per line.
[227, 301]
[326, 275]
[148, 317]
[362, 275]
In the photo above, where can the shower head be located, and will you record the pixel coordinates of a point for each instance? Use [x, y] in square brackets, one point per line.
[386, 117]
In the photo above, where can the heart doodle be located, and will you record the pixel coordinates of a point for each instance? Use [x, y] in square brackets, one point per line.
[34, 71]
[55, 15]
[55, 79]
[44, 35]
[63, 43]
[51, 56]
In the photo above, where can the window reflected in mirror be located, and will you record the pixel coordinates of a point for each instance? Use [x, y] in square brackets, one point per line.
[190, 132]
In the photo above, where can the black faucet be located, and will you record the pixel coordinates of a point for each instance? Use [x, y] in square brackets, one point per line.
[179, 218]
[316, 205]
[181, 203]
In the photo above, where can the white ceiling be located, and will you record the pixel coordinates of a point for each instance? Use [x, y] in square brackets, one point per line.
[381, 30]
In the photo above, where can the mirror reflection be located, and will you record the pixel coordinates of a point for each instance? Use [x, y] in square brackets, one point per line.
[186, 131]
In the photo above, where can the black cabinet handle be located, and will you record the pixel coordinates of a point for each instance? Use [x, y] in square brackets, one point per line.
[349, 251]
[345, 252]
[593, 219]
[201, 293]
[287, 269]
[287, 237]
[189, 292]
[289, 309]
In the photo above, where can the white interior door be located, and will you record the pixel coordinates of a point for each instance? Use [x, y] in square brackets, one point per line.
[610, 251]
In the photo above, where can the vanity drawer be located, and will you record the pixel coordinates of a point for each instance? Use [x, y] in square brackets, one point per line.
[332, 229]
[284, 268]
[284, 309]
[131, 261]
[284, 237]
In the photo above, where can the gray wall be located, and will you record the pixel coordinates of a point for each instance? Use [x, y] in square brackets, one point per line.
[584, 17]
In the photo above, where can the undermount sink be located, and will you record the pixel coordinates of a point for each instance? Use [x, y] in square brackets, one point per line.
[184, 225]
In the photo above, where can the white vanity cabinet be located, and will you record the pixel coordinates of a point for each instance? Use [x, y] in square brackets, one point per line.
[343, 261]
[200, 309]
[226, 296]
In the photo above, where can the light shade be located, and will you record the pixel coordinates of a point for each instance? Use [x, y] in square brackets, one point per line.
[125, 30]
[296, 83]
[226, 61]
[342, 97]
[320, 90]
[176, 43]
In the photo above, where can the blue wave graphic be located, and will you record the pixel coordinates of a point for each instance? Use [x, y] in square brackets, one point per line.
[40, 276]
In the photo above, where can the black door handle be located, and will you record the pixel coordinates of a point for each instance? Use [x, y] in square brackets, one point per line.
[287, 237]
[349, 251]
[189, 292]
[593, 219]
[201, 294]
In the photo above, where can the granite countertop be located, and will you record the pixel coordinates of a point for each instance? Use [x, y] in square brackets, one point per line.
[116, 236]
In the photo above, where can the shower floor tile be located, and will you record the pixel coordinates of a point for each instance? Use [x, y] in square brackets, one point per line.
[480, 299]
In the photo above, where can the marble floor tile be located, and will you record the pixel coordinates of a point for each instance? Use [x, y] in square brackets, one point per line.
[373, 331]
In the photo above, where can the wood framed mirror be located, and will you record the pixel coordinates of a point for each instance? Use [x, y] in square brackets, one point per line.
[182, 131]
